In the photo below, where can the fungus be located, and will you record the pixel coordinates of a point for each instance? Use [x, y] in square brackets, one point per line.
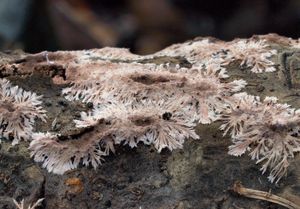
[18, 111]
[267, 130]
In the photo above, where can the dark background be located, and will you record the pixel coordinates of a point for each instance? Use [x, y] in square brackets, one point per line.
[144, 26]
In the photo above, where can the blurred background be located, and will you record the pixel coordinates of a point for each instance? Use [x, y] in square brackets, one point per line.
[144, 26]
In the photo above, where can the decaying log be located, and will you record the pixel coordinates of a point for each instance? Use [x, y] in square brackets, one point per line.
[196, 176]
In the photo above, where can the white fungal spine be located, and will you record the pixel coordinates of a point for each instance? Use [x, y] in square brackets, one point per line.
[18, 111]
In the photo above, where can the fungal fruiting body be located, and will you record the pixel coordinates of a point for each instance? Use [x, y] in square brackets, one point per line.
[204, 52]
[152, 107]
[254, 55]
[126, 85]
[269, 131]
[61, 156]
[161, 124]
[160, 105]
[18, 111]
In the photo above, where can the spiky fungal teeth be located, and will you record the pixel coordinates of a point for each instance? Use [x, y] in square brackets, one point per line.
[160, 104]
[148, 122]
[152, 107]
[60, 156]
[18, 111]
[266, 129]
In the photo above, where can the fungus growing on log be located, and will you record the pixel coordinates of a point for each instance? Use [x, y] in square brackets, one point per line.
[18, 111]
[158, 100]
[267, 129]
